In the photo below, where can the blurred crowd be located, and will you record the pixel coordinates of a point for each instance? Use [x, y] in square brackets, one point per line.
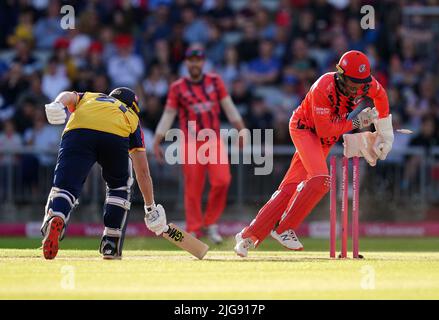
[268, 53]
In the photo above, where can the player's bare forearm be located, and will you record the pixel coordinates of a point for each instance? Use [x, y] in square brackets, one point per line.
[238, 124]
[232, 113]
[69, 99]
[143, 176]
[165, 123]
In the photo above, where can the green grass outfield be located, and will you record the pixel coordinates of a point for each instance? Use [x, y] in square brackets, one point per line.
[155, 269]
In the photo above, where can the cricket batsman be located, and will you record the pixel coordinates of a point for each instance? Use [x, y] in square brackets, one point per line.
[198, 99]
[104, 129]
[315, 126]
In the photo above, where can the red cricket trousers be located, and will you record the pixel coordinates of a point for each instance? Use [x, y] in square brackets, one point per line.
[218, 172]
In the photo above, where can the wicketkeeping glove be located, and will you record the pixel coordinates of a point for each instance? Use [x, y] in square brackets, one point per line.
[56, 113]
[384, 142]
[360, 145]
[155, 218]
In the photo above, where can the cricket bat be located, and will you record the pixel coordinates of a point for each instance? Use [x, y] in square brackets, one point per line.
[185, 241]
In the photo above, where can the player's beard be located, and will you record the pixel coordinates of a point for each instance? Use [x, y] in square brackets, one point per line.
[195, 73]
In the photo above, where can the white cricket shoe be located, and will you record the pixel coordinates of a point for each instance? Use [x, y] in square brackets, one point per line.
[243, 245]
[288, 239]
[213, 234]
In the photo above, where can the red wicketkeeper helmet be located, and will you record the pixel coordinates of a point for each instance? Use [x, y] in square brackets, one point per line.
[355, 66]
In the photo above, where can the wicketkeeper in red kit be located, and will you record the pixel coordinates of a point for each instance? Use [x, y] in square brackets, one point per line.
[199, 98]
[315, 126]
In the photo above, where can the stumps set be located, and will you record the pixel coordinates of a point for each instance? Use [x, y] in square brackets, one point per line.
[344, 208]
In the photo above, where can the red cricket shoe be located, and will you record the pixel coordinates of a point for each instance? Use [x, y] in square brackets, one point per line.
[50, 241]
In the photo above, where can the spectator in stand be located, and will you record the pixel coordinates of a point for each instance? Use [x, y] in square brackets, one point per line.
[411, 63]
[48, 29]
[62, 54]
[323, 13]
[260, 116]
[229, 69]
[304, 67]
[23, 55]
[264, 70]
[283, 102]
[9, 139]
[248, 46]
[355, 35]
[264, 24]
[12, 85]
[242, 97]
[306, 27]
[79, 45]
[398, 103]
[195, 29]
[421, 107]
[126, 68]
[427, 138]
[339, 45]
[157, 26]
[250, 9]
[396, 71]
[45, 138]
[215, 46]
[100, 83]
[23, 30]
[94, 65]
[55, 79]
[222, 15]
[176, 47]
[163, 57]
[106, 37]
[33, 92]
[155, 84]
[400, 144]
[122, 21]
[152, 113]
[280, 42]
[25, 114]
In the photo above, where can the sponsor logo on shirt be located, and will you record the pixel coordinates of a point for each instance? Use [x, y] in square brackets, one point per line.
[322, 111]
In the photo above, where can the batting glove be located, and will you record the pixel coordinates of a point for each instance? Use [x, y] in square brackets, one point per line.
[365, 118]
[55, 113]
[155, 218]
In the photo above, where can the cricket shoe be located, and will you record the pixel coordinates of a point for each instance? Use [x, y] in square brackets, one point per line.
[288, 239]
[109, 248]
[213, 234]
[51, 238]
[243, 245]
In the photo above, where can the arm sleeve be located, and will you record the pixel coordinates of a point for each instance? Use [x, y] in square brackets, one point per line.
[136, 140]
[326, 123]
[380, 100]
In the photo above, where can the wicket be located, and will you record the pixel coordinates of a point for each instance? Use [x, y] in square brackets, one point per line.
[344, 208]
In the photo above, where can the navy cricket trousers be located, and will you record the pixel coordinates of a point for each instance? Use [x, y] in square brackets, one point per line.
[80, 149]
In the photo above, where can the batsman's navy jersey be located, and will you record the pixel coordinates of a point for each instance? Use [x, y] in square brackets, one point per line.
[100, 112]
[198, 101]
